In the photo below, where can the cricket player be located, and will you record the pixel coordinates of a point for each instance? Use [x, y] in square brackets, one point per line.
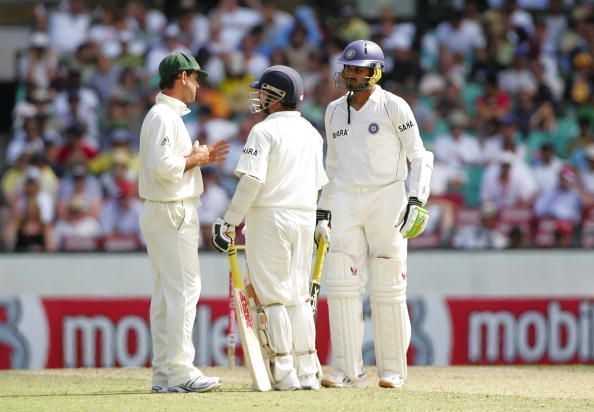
[370, 134]
[170, 184]
[280, 172]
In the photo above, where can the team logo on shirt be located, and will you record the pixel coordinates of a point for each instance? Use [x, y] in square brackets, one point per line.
[250, 151]
[165, 141]
[340, 133]
[373, 128]
[405, 126]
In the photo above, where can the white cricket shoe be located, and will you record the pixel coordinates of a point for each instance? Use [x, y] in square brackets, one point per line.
[309, 382]
[339, 380]
[159, 389]
[390, 379]
[288, 383]
[197, 384]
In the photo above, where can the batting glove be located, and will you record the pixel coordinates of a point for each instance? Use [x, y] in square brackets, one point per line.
[323, 218]
[415, 219]
[220, 235]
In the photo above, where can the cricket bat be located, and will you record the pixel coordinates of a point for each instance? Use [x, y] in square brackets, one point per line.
[314, 290]
[249, 341]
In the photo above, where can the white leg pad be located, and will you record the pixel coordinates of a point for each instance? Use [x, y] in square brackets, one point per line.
[276, 338]
[389, 315]
[304, 340]
[346, 314]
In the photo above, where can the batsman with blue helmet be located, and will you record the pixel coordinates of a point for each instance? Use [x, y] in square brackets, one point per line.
[371, 133]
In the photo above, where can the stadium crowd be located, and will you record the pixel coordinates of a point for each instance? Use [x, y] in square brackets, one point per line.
[504, 97]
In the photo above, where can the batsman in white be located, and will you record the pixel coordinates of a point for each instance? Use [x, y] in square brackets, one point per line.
[280, 173]
[370, 134]
[170, 184]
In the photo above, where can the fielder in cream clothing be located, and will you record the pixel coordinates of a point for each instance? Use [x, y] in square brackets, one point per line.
[370, 134]
[281, 170]
[170, 184]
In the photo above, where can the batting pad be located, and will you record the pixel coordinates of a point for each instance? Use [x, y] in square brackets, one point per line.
[389, 315]
[304, 339]
[276, 338]
[346, 313]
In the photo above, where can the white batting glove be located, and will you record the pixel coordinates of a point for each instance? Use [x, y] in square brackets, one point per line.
[220, 235]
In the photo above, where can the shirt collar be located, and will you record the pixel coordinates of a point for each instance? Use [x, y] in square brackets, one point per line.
[284, 113]
[375, 95]
[177, 105]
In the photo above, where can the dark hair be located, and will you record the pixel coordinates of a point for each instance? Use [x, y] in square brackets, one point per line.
[167, 82]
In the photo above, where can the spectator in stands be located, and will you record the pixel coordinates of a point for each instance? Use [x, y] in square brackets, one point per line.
[563, 203]
[105, 78]
[460, 35]
[586, 171]
[508, 138]
[68, 25]
[30, 226]
[81, 185]
[585, 138]
[121, 213]
[76, 229]
[28, 139]
[457, 148]
[482, 236]
[546, 168]
[76, 149]
[518, 76]
[494, 104]
[508, 183]
[38, 66]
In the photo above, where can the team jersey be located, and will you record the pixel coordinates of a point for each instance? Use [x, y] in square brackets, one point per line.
[372, 149]
[164, 143]
[285, 152]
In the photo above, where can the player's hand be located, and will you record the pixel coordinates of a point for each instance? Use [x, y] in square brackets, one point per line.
[200, 153]
[218, 152]
[323, 218]
[415, 219]
[221, 239]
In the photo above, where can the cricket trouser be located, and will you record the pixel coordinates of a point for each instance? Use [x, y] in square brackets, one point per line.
[364, 241]
[279, 245]
[171, 232]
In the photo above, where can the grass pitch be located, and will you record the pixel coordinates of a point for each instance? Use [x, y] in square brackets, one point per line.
[427, 389]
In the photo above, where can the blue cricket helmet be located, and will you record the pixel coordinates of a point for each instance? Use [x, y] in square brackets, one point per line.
[362, 53]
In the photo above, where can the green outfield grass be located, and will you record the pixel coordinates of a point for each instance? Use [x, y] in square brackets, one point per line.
[427, 389]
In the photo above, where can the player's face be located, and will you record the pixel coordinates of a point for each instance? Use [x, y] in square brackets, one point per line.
[357, 77]
[190, 86]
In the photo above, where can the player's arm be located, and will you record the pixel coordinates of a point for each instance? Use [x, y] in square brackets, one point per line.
[415, 217]
[245, 193]
[251, 169]
[163, 164]
[323, 214]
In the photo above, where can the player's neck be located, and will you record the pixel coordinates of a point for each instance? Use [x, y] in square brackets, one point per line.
[360, 97]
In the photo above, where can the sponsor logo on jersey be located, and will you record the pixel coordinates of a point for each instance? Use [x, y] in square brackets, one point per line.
[250, 151]
[165, 141]
[340, 133]
[405, 126]
[373, 128]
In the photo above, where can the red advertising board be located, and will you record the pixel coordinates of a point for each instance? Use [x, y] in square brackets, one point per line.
[115, 332]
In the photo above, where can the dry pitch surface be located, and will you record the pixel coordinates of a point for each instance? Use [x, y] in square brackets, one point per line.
[427, 389]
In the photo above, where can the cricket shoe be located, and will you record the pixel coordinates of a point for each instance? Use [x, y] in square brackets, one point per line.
[197, 384]
[339, 380]
[159, 389]
[391, 380]
[309, 382]
[288, 383]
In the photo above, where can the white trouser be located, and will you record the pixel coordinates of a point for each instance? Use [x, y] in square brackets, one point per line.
[363, 221]
[279, 244]
[171, 234]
